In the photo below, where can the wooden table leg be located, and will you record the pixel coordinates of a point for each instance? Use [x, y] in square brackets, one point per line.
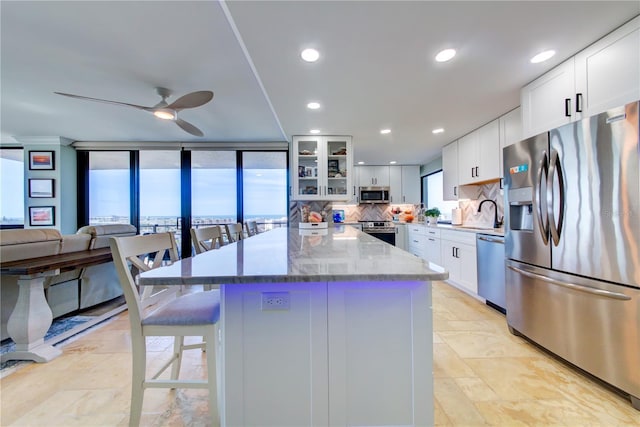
[29, 322]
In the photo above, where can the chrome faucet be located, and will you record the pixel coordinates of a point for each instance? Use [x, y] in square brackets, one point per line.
[496, 223]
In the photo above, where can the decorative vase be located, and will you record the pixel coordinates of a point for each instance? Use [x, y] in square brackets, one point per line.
[432, 220]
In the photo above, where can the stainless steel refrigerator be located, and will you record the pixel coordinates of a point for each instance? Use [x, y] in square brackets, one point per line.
[572, 242]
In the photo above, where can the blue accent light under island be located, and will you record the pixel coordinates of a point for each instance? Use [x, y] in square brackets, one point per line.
[318, 327]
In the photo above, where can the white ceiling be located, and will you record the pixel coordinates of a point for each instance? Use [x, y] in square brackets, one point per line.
[376, 70]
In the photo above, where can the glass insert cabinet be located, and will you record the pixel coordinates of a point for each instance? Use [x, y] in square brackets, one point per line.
[322, 168]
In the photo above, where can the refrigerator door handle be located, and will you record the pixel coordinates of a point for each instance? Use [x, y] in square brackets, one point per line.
[555, 229]
[543, 172]
[573, 286]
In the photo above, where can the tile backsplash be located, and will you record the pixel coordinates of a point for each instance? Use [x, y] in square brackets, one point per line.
[352, 213]
[470, 214]
[383, 212]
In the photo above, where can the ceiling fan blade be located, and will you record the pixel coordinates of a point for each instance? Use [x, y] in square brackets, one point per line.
[139, 107]
[191, 100]
[188, 127]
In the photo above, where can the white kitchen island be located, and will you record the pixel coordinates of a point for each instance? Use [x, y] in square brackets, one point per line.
[331, 328]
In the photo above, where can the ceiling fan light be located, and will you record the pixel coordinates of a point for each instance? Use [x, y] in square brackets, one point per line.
[165, 114]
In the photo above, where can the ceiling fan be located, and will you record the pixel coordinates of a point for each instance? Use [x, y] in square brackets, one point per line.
[164, 110]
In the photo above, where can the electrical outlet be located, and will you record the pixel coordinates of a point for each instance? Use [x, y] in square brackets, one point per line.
[275, 301]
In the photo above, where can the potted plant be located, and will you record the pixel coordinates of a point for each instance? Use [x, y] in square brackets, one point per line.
[432, 215]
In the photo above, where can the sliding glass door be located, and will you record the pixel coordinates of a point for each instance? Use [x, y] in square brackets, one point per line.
[160, 192]
[213, 188]
[109, 187]
[264, 188]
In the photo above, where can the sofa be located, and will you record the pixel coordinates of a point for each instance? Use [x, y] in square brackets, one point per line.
[68, 291]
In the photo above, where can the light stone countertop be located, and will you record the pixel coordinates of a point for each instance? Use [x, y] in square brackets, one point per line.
[339, 253]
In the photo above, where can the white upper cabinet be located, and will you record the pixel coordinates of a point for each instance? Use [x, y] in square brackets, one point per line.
[404, 183]
[546, 101]
[604, 75]
[479, 155]
[373, 176]
[322, 168]
[411, 184]
[608, 72]
[510, 131]
[395, 184]
[450, 171]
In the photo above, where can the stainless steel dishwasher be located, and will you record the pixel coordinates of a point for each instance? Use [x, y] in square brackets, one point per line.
[490, 250]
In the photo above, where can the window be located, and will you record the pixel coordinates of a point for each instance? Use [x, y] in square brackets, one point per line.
[213, 187]
[11, 189]
[264, 188]
[109, 198]
[432, 185]
[218, 192]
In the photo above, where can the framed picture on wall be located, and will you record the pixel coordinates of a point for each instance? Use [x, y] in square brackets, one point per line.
[41, 215]
[40, 188]
[41, 160]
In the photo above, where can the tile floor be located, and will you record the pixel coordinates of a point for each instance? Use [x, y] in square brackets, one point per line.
[483, 376]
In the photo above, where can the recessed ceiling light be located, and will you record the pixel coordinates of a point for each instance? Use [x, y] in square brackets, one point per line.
[313, 105]
[385, 131]
[445, 55]
[392, 162]
[310, 55]
[361, 163]
[438, 130]
[543, 56]
[314, 131]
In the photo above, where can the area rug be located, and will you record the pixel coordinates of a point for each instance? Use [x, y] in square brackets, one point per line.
[59, 326]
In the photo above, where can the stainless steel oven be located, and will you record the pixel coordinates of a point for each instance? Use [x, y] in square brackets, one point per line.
[383, 230]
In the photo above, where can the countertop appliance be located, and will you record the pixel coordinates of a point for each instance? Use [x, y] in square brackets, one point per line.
[383, 230]
[374, 195]
[573, 244]
[490, 256]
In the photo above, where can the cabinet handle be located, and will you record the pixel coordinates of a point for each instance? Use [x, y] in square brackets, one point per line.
[455, 190]
[578, 103]
[354, 190]
[290, 191]
[567, 107]
[477, 172]
[453, 251]
[432, 240]
[403, 199]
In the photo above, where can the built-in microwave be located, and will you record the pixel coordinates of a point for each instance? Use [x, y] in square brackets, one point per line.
[374, 195]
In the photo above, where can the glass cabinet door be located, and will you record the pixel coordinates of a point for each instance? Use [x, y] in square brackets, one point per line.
[321, 168]
[337, 166]
[307, 175]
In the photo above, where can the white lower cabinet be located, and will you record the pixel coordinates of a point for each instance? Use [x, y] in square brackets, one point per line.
[401, 236]
[416, 239]
[312, 362]
[432, 245]
[458, 256]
